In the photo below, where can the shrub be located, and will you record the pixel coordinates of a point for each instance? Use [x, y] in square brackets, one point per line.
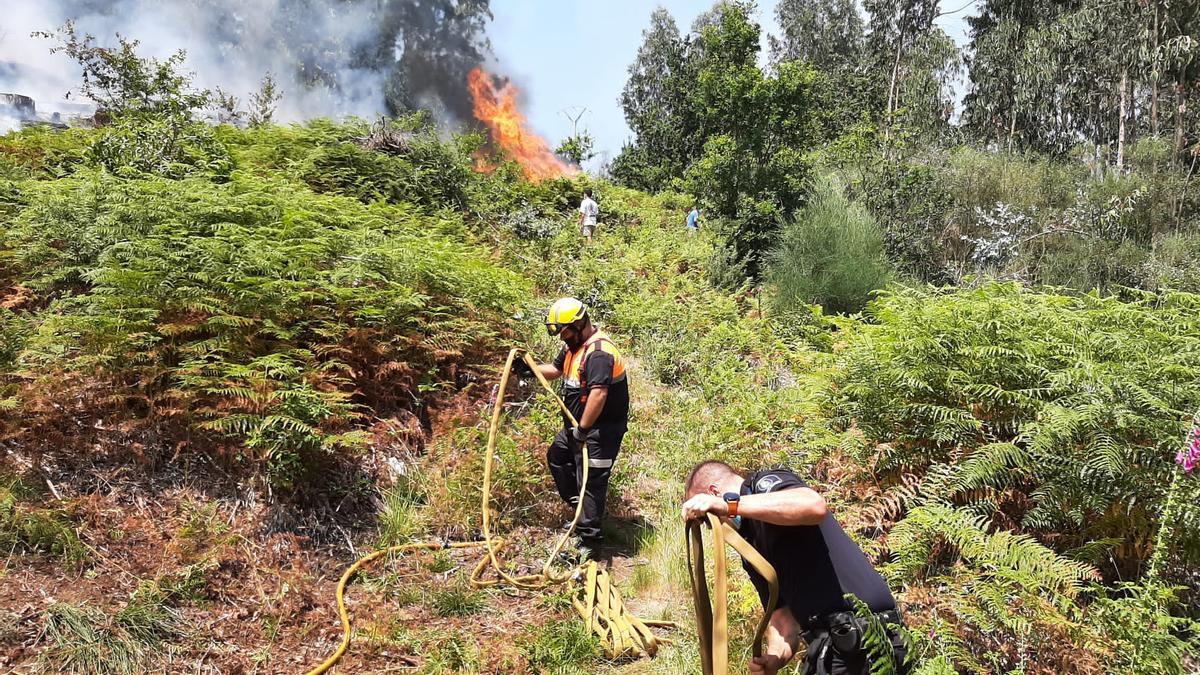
[168, 148]
[1173, 263]
[1144, 635]
[1004, 599]
[41, 152]
[830, 254]
[1086, 263]
[980, 180]
[912, 206]
[1074, 402]
[422, 169]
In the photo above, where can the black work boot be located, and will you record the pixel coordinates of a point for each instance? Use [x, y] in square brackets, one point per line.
[589, 549]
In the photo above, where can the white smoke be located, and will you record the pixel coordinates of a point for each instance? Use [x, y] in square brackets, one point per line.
[21, 72]
[329, 57]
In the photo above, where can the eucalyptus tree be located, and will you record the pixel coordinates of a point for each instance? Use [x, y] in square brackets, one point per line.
[1175, 60]
[926, 97]
[829, 34]
[658, 107]
[753, 171]
[998, 34]
[1053, 74]
[896, 26]
[920, 59]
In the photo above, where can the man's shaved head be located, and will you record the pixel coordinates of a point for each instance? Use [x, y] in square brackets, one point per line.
[704, 474]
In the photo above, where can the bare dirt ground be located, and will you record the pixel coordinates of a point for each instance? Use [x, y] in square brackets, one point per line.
[265, 602]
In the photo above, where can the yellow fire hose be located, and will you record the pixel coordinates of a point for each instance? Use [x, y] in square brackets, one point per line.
[712, 624]
[596, 598]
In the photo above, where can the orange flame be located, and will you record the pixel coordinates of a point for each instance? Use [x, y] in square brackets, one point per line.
[510, 131]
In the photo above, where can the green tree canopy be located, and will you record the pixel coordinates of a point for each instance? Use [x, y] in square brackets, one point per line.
[829, 34]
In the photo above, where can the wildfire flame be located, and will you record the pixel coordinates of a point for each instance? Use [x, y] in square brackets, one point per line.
[497, 108]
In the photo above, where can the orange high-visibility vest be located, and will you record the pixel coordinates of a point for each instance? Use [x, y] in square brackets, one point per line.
[574, 373]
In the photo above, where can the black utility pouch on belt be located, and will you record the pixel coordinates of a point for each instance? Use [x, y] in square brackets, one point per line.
[845, 633]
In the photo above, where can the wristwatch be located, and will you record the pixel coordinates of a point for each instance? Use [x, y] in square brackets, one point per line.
[731, 500]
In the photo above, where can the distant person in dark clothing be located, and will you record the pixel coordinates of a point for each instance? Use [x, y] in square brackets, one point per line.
[816, 561]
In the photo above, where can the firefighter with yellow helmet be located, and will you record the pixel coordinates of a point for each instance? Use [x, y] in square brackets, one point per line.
[596, 390]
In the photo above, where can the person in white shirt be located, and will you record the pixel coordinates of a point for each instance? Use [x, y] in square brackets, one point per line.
[588, 211]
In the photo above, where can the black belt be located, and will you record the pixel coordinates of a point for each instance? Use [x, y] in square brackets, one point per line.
[822, 622]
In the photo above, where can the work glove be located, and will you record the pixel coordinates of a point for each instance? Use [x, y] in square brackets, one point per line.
[580, 434]
[522, 369]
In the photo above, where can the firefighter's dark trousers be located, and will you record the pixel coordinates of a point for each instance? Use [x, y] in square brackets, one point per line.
[565, 458]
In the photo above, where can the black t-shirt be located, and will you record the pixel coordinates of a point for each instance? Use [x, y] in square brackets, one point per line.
[816, 564]
[597, 371]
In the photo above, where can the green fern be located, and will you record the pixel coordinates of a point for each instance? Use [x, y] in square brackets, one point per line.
[1057, 414]
[913, 539]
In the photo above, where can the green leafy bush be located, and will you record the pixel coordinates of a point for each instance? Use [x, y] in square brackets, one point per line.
[160, 147]
[1173, 263]
[911, 204]
[1086, 263]
[980, 180]
[417, 168]
[830, 254]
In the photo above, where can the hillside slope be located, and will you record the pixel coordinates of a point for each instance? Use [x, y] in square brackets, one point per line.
[225, 379]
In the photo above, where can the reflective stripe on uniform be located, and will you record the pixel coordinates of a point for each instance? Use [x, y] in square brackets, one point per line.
[600, 463]
[571, 382]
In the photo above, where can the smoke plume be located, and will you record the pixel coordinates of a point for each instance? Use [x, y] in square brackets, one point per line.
[330, 57]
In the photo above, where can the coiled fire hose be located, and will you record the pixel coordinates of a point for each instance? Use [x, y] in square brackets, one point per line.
[596, 599]
[712, 624]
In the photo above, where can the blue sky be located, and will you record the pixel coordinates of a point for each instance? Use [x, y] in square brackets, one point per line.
[567, 55]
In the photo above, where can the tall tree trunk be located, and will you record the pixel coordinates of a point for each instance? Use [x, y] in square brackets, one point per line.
[1154, 106]
[1121, 122]
[1154, 77]
[892, 87]
[1180, 114]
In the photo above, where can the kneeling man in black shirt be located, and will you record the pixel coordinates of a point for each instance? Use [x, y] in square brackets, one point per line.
[817, 564]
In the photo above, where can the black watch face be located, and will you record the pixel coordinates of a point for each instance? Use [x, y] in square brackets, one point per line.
[732, 497]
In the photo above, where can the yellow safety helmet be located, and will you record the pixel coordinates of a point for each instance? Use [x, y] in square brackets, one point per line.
[563, 313]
